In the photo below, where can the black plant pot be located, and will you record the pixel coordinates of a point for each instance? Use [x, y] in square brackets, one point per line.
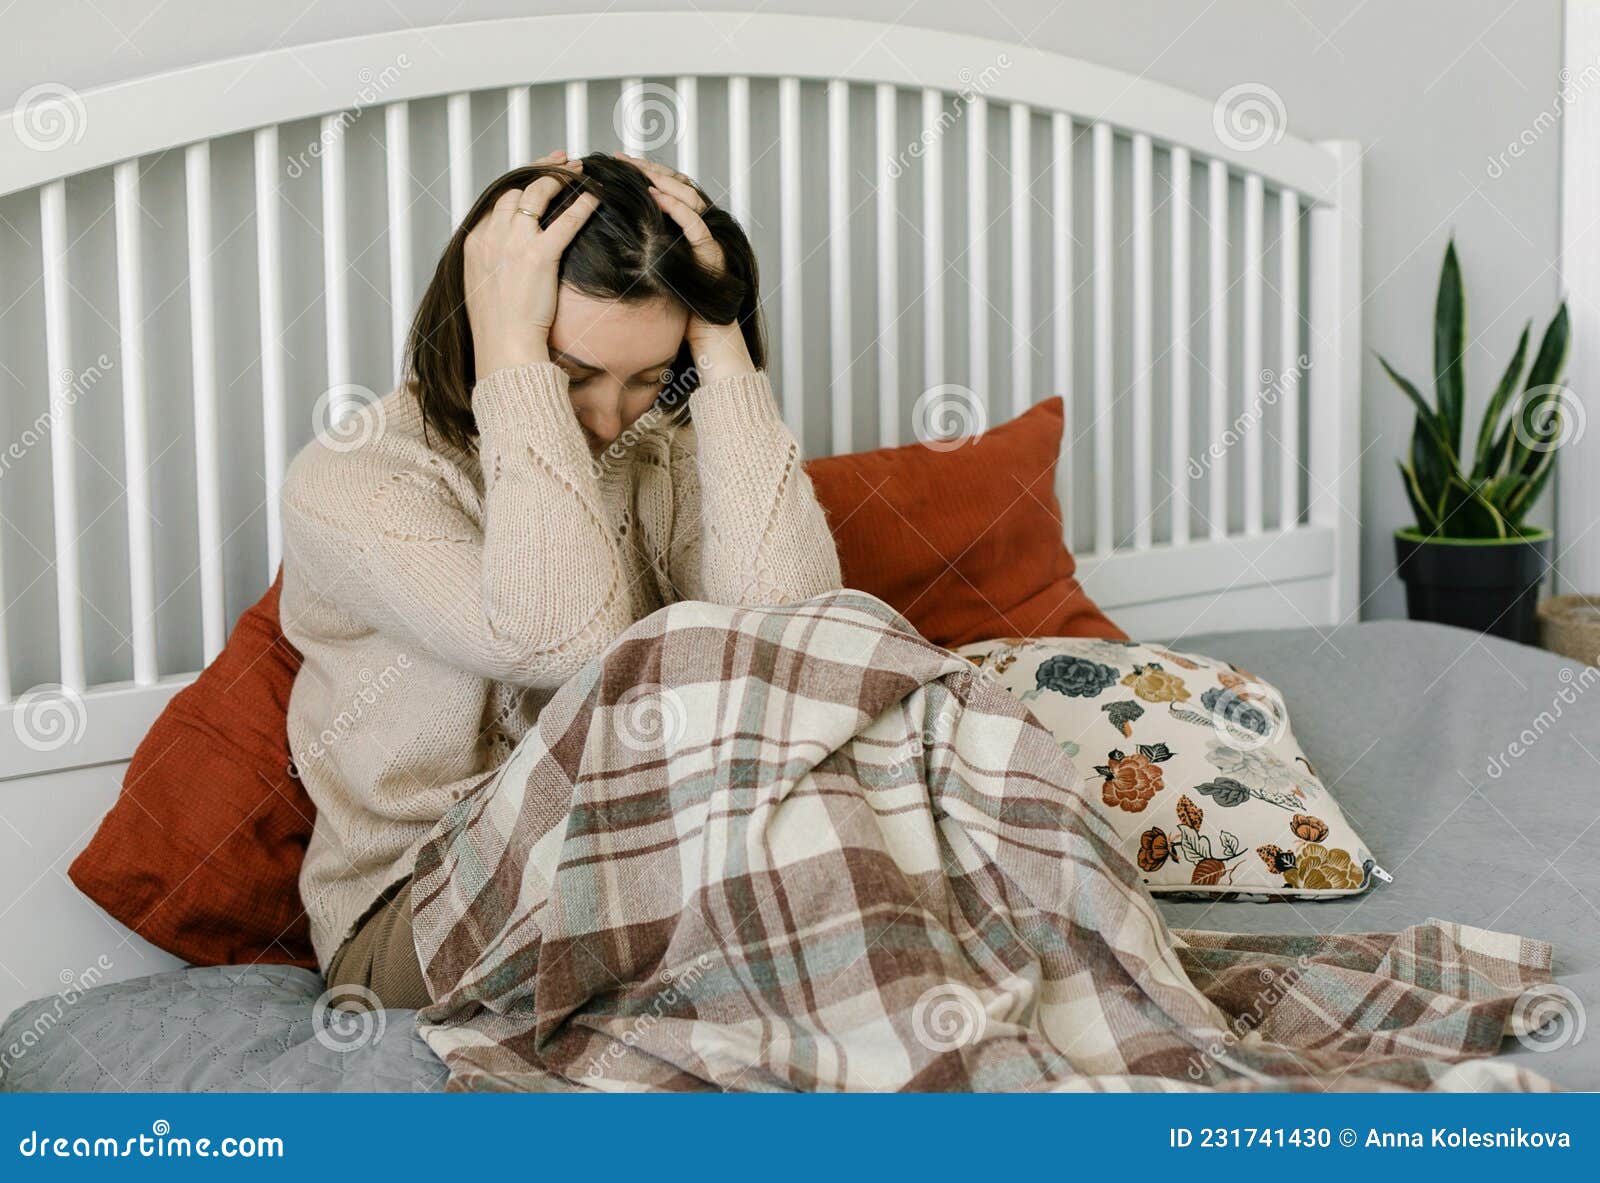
[1489, 586]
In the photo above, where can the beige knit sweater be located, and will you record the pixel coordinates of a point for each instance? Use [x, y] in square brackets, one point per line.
[440, 597]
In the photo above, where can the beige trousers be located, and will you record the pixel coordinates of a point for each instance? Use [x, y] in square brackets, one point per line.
[381, 955]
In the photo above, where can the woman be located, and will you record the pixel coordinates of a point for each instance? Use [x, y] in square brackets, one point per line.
[533, 488]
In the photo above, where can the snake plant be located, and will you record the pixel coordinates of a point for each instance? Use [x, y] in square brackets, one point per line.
[1484, 494]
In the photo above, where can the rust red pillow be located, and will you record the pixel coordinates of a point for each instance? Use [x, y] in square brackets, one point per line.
[201, 852]
[965, 541]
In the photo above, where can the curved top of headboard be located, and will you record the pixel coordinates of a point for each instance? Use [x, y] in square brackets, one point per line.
[203, 102]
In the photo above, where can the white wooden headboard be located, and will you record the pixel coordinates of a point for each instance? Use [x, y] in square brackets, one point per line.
[200, 263]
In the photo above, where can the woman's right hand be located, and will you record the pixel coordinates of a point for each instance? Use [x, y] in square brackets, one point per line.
[511, 269]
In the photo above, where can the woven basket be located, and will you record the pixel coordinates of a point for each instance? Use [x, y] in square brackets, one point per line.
[1570, 626]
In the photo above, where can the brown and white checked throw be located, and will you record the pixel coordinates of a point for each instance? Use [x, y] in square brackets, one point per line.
[804, 848]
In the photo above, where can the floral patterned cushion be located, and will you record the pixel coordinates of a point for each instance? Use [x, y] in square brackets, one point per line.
[1192, 761]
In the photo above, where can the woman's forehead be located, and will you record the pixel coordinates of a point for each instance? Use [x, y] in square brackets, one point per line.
[621, 336]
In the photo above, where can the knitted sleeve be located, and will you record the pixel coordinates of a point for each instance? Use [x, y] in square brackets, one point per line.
[526, 594]
[746, 526]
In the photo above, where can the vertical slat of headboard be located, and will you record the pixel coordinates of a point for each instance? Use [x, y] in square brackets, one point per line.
[203, 354]
[458, 137]
[397, 152]
[63, 438]
[791, 256]
[1061, 270]
[1217, 346]
[519, 128]
[1290, 379]
[5, 638]
[841, 399]
[888, 268]
[135, 435]
[336, 259]
[1143, 326]
[978, 247]
[577, 119]
[739, 148]
[631, 102]
[1335, 348]
[1022, 391]
[688, 130]
[1181, 357]
[1104, 263]
[269, 284]
[932, 245]
[1251, 425]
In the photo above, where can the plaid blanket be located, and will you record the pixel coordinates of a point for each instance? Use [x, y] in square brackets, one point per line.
[804, 848]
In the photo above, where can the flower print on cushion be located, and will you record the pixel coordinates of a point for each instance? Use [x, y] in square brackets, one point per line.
[1192, 761]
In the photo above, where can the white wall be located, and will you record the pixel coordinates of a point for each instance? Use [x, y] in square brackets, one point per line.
[1432, 88]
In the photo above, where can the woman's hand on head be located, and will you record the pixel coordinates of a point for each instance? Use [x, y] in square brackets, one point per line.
[719, 350]
[511, 268]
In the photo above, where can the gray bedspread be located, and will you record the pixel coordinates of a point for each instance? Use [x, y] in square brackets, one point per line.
[1404, 721]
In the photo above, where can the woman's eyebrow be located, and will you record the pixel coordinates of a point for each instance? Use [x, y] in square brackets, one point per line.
[579, 364]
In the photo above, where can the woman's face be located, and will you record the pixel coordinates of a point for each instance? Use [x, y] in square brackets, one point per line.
[614, 353]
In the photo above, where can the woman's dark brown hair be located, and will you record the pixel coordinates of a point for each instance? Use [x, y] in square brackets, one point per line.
[629, 249]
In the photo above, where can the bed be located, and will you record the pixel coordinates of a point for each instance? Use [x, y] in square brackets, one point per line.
[1501, 852]
[221, 258]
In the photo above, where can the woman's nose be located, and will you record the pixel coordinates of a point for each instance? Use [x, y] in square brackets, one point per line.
[603, 418]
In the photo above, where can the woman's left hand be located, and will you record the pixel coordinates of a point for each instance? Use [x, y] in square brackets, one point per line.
[719, 350]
